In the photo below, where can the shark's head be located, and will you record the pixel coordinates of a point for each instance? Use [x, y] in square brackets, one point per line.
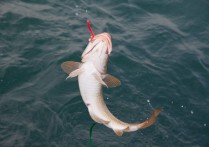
[98, 51]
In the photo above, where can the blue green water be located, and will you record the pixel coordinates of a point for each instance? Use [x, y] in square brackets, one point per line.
[160, 54]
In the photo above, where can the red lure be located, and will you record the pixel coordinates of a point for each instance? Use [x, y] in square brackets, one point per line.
[90, 29]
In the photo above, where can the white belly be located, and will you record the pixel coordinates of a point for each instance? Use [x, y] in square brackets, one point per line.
[89, 86]
[91, 92]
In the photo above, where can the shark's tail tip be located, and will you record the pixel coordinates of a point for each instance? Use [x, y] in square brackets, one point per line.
[157, 112]
[151, 120]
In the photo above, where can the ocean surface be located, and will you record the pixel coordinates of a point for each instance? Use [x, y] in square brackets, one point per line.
[160, 54]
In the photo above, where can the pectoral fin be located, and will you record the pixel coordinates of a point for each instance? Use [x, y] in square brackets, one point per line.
[75, 73]
[70, 66]
[99, 79]
[111, 81]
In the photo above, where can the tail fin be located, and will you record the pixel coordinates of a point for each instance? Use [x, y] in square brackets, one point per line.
[151, 120]
[135, 126]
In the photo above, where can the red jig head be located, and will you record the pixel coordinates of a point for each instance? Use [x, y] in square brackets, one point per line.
[90, 29]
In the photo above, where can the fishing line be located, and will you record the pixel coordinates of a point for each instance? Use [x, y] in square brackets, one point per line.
[90, 134]
[90, 39]
[90, 29]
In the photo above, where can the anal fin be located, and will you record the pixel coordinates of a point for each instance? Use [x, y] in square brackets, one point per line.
[118, 132]
[126, 129]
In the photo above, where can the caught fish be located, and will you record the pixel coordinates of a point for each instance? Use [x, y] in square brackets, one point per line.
[92, 76]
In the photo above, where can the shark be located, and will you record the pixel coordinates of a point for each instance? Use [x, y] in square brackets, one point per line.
[92, 77]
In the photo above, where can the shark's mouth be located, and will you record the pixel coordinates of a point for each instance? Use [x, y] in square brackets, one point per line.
[89, 48]
[101, 41]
